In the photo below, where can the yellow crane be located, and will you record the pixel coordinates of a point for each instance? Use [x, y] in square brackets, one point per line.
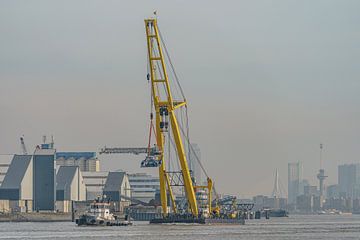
[165, 119]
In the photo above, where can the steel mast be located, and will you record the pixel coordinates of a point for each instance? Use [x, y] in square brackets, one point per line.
[165, 108]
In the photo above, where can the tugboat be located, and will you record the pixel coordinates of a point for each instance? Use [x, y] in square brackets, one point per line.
[99, 215]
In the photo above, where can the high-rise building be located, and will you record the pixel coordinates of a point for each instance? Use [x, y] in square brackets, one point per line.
[349, 180]
[332, 191]
[294, 181]
[194, 165]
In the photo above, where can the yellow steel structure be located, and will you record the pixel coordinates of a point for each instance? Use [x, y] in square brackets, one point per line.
[209, 188]
[164, 107]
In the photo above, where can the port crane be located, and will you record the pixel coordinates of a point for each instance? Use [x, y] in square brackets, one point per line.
[23, 146]
[166, 120]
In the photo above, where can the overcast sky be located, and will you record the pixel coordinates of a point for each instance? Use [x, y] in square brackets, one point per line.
[266, 81]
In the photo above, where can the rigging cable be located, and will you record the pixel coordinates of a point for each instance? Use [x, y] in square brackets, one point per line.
[171, 64]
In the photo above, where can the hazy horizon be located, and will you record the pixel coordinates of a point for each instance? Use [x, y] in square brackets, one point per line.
[266, 82]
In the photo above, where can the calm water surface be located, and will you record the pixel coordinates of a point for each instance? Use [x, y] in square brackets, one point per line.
[294, 227]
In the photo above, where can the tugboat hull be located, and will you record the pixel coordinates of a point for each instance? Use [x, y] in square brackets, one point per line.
[86, 220]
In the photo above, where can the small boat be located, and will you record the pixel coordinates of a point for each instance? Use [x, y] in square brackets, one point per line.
[99, 215]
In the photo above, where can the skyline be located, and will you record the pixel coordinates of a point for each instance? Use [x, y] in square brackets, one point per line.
[272, 81]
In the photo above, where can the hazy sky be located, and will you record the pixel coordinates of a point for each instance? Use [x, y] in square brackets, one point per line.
[266, 81]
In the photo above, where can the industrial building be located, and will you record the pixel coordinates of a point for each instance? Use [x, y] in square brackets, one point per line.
[117, 188]
[144, 187]
[29, 182]
[94, 183]
[51, 181]
[70, 187]
[17, 186]
[5, 161]
[44, 180]
[86, 161]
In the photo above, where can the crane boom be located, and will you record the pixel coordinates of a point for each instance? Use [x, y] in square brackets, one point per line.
[165, 107]
[125, 150]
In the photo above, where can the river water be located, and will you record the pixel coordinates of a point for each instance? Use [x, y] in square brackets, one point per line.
[294, 227]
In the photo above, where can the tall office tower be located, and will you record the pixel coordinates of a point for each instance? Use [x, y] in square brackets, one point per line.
[294, 181]
[349, 180]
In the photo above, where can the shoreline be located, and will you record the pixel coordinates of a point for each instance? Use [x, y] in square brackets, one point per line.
[35, 217]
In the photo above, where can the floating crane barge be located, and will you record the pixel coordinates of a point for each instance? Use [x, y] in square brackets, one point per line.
[198, 206]
[167, 124]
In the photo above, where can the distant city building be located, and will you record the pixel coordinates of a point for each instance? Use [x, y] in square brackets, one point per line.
[87, 161]
[332, 191]
[356, 206]
[144, 186]
[261, 202]
[318, 202]
[303, 184]
[294, 181]
[305, 203]
[194, 158]
[336, 203]
[310, 190]
[349, 180]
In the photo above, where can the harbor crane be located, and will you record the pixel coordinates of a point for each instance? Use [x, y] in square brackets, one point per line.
[23, 146]
[169, 127]
[166, 122]
[165, 119]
